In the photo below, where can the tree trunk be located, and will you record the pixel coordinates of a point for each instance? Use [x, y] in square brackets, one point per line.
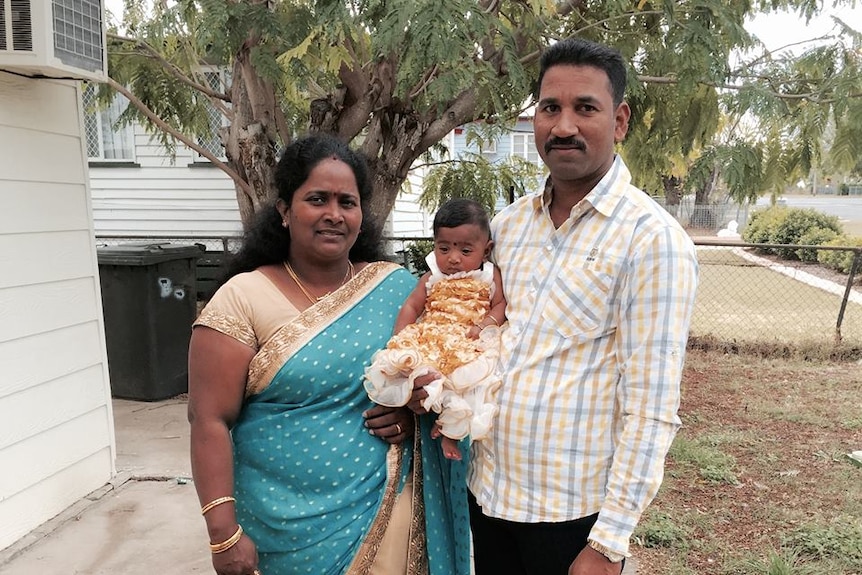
[672, 194]
[251, 138]
[704, 216]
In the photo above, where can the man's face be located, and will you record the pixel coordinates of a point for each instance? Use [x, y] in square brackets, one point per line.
[576, 125]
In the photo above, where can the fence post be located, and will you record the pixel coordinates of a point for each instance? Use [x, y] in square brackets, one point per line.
[854, 267]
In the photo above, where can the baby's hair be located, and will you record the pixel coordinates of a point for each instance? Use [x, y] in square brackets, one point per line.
[461, 211]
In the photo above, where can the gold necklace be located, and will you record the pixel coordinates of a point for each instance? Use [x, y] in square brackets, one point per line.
[347, 276]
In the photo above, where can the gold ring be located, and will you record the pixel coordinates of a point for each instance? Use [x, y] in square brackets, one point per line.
[398, 427]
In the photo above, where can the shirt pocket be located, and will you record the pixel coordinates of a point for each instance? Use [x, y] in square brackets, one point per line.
[579, 301]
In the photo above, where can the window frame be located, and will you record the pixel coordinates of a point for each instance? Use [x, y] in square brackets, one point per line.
[217, 79]
[523, 145]
[123, 137]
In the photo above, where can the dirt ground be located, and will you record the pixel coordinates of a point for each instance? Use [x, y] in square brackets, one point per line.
[759, 462]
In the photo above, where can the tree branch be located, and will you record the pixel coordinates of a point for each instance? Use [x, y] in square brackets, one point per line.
[175, 71]
[811, 96]
[164, 126]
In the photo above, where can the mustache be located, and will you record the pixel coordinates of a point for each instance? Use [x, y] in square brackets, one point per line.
[566, 142]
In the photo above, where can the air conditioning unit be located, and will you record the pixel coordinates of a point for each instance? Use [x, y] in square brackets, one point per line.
[54, 38]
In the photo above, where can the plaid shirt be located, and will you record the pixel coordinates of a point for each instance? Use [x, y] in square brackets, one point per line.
[598, 312]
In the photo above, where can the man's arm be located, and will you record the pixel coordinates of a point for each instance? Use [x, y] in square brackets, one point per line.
[655, 312]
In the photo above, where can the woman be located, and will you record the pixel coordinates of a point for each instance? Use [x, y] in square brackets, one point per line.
[296, 471]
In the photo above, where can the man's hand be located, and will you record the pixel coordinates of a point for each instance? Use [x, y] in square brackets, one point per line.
[419, 394]
[591, 562]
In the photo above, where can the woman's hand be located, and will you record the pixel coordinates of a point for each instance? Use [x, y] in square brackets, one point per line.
[241, 559]
[391, 424]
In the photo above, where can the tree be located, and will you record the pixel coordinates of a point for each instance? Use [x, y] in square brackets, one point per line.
[395, 77]
[474, 177]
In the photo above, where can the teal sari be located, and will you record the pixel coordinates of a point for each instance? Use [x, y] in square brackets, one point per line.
[314, 489]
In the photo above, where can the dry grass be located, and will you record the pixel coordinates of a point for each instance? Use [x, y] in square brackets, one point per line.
[757, 481]
[744, 302]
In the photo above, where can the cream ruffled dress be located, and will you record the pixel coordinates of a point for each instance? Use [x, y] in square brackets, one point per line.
[464, 397]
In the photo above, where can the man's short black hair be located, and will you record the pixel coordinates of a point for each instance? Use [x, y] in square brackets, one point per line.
[580, 52]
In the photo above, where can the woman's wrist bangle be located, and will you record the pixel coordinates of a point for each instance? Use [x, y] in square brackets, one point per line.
[227, 543]
[492, 318]
[216, 503]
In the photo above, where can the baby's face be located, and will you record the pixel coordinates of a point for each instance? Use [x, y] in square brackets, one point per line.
[461, 249]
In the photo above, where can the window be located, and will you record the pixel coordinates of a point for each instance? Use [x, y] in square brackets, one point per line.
[105, 140]
[212, 142]
[524, 146]
[489, 147]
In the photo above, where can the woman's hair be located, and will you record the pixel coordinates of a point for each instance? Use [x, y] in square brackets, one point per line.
[268, 242]
[460, 211]
[580, 52]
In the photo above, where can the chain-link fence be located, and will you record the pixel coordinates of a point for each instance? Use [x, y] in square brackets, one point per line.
[746, 296]
[709, 217]
[743, 295]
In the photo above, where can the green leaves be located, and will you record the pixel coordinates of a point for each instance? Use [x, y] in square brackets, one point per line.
[474, 176]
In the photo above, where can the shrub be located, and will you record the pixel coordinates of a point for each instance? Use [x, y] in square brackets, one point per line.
[837, 260]
[762, 223]
[814, 237]
[416, 252]
[797, 223]
[782, 225]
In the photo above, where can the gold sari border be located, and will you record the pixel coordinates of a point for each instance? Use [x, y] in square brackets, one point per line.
[287, 340]
[417, 556]
[228, 325]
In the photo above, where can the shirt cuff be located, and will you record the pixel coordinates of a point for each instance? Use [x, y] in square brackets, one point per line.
[614, 529]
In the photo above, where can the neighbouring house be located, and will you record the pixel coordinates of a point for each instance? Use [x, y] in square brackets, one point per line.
[140, 190]
[141, 193]
[56, 422]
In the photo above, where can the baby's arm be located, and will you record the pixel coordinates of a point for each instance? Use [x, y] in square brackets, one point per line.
[497, 314]
[498, 302]
[413, 306]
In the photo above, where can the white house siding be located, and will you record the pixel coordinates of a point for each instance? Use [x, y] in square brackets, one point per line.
[158, 196]
[56, 424]
[407, 218]
[155, 195]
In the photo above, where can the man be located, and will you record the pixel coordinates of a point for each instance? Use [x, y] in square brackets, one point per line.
[600, 282]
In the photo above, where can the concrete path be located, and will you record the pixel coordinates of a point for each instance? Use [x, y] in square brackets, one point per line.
[147, 522]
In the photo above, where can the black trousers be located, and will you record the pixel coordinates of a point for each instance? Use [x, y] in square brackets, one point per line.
[501, 546]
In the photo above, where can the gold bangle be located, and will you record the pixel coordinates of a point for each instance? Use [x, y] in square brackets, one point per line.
[227, 543]
[492, 318]
[216, 503]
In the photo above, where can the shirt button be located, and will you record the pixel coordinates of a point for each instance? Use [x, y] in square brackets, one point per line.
[549, 247]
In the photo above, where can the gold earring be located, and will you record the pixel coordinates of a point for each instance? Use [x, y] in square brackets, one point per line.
[284, 224]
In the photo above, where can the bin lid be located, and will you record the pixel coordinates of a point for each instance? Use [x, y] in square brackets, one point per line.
[142, 254]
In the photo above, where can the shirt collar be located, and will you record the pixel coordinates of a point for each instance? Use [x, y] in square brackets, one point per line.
[604, 197]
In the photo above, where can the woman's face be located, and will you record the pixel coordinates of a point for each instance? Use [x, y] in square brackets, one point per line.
[324, 215]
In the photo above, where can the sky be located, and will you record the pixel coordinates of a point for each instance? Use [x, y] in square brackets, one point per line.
[780, 29]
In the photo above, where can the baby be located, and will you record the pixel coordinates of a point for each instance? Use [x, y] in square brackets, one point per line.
[450, 324]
